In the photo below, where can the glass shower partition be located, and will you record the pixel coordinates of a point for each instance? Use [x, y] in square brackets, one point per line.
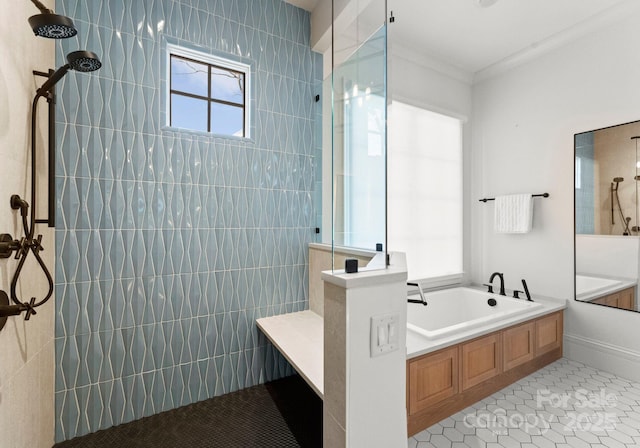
[359, 131]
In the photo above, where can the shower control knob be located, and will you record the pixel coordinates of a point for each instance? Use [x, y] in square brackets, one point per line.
[8, 245]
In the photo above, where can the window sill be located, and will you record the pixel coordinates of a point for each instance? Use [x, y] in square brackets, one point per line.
[193, 132]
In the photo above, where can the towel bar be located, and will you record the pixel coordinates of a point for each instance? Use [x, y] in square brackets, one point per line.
[541, 195]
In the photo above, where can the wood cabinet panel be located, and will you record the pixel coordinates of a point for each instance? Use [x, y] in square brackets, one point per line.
[624, 299]
[481, 360]
[432, 379]
[548, 333]
[612, 300]
[518, 345]
[627, 298]
[435, 389]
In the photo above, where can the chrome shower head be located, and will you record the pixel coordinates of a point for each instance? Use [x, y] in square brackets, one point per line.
[81, 61]
[51, 25]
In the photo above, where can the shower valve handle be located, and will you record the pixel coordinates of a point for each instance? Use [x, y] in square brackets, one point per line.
[8, 245]
[516, 294]
[489, 286]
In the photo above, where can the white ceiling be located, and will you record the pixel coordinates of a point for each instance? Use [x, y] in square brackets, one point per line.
[464, 35]
[467, 36]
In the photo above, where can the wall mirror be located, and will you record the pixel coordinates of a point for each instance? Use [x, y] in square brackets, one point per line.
[607, 225]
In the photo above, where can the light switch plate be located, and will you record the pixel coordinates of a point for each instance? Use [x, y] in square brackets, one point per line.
[384, 334]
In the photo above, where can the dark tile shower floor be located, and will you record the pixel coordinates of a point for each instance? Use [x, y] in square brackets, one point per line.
[282, 413]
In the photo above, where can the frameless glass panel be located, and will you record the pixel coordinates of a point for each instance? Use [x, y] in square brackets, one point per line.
[227, 120]
[227, 85]
[189, 76]
[359, 124]
[188, 113]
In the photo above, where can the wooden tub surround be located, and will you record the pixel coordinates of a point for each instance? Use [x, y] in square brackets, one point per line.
[625, 299]
[444, 382]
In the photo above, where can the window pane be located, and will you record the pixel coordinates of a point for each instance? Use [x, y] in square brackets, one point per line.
[227, 120]
[189, 76]
[188, 113]
[425, 190]
[227, 85]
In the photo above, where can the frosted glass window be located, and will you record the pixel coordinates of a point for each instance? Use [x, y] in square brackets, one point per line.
[207, 93]
[424, 188]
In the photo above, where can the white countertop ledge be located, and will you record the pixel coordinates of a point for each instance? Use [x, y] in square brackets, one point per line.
[372, 275]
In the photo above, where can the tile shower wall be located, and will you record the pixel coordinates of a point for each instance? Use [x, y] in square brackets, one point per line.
[172, 243]
[585, 184]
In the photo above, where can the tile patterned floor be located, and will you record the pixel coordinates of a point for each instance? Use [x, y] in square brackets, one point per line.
[564, 405]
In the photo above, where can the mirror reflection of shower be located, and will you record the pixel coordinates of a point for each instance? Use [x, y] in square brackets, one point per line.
[616, 207]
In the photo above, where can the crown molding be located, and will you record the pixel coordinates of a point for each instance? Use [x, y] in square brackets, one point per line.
[430, 62]
[560, 39]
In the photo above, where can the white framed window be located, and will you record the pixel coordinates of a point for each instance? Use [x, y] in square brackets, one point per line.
[425, 192]
[207, 93]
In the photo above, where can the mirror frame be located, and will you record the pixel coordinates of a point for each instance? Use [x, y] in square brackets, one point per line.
[575, 234]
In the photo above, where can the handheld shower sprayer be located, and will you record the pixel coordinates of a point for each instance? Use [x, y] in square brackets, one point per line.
[80, 61]
[615, 198]
[617, 181]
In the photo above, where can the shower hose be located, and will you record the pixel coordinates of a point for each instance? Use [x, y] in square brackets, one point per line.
[23, 248]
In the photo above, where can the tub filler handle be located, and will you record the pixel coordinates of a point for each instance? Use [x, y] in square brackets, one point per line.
[422, 300]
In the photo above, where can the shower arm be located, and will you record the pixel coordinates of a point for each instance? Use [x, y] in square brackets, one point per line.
[43, 9]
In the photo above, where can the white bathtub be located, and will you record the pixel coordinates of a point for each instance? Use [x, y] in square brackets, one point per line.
[460, 309]
[588, 285]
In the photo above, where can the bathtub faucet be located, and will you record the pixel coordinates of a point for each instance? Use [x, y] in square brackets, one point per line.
[501, 277]
[422, 298]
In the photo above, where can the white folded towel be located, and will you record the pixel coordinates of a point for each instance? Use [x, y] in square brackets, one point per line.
[513, 213]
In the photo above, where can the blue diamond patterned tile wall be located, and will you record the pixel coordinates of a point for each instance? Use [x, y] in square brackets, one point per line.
[170, 244]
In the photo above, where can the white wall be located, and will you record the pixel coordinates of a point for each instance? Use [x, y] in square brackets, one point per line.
[523, 126]
[26, 362]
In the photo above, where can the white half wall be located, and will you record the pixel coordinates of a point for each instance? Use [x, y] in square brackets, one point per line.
[524, 121]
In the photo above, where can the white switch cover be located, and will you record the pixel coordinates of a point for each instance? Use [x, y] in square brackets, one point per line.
[384, 334]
